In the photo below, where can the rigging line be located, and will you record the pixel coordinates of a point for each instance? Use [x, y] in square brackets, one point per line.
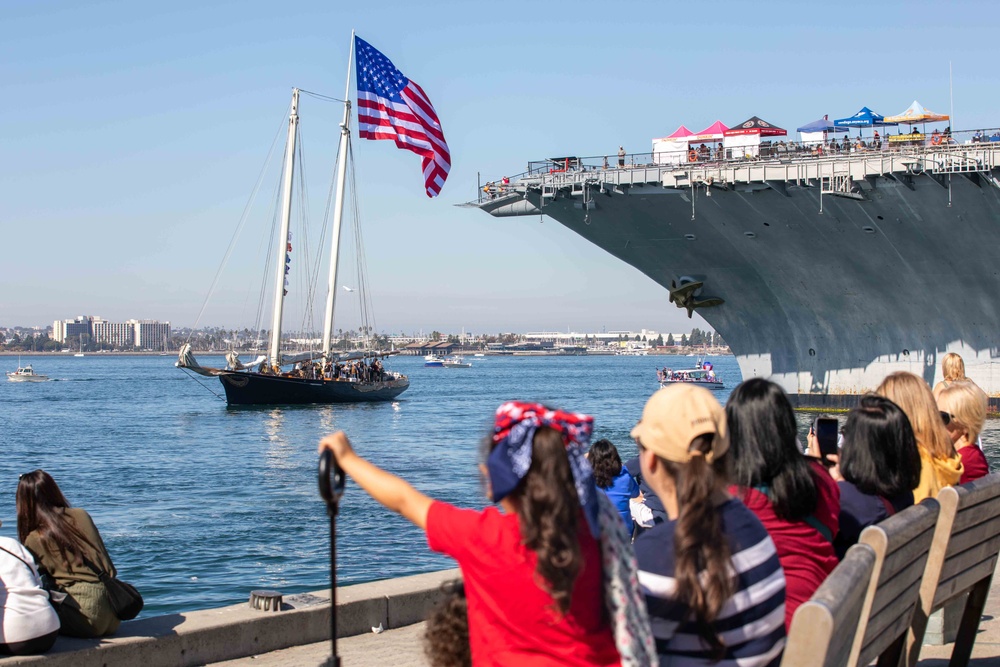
[191, 375]
[239, 227]
[267, 243]
[308, 313]
[367, 311]
[321, 97]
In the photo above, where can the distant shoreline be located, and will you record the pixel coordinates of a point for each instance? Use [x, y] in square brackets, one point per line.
[682, 352]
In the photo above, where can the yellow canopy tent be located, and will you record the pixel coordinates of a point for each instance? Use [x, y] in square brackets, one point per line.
[916, 114]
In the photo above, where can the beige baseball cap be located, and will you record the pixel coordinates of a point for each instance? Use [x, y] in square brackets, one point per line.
[676, 415]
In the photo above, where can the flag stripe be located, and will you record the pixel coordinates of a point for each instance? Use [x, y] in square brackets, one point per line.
[392, 107]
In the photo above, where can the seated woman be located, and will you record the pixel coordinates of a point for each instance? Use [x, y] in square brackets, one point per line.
[28, 623]
[713, 583]
[940, 464]
[879, 467]
[548, 581]
[613, 478]
[795, 498]
[965, 404]
[61, 537]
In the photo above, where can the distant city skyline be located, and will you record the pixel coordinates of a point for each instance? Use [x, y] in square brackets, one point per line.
[135, 133]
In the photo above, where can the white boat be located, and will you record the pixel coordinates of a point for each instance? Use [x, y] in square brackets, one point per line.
[703, 377]
[456, 362]
[26, 374]
[479, 354]
[433, 361]
[80, 353]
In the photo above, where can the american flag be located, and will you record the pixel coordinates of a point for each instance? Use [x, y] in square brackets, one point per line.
[390, 106]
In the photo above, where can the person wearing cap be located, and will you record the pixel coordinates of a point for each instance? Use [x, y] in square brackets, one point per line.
[28, 623]
[710, 572]
[550, 580]
[793, 496]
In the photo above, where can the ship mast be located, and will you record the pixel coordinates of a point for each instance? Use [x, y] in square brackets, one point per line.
[338, 209]
[274, 353]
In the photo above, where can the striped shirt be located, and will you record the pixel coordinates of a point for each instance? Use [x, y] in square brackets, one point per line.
[751, 624]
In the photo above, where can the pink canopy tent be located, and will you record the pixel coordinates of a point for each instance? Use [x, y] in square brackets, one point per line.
[681, 133]
[713, 132]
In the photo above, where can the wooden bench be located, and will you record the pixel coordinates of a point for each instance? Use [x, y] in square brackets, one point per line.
[823, 628]
[962, 560]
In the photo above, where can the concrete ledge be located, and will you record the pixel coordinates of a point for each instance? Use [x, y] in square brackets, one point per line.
[214, 635]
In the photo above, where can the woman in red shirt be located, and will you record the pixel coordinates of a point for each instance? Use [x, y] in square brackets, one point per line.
[533, 574]
[963, 408]
[794, 497]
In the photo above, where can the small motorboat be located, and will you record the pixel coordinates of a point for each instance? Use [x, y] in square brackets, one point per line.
[433, 361]
[26, 374]
[702, 375]
[456, 362]
[479, 354]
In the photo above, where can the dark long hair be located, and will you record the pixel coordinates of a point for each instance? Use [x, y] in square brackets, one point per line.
[41, 507]
[762, 441]
[880, 455]
[606, 462]
[549, 514]
[701, 549]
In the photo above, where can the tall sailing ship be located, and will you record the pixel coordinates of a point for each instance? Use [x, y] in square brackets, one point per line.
[315, 376]
[824, 271]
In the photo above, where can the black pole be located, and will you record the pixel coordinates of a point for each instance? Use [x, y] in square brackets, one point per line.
[331, 488]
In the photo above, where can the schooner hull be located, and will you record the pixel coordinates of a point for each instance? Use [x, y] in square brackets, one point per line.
[256, 389]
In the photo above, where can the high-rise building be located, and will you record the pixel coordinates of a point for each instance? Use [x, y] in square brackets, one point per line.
[150, 334]
[71, 330]
[114, 334]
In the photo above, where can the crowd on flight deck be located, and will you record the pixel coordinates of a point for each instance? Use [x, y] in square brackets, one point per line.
[736, 525]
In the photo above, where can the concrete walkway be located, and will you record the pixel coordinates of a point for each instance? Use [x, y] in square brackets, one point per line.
[403, 647]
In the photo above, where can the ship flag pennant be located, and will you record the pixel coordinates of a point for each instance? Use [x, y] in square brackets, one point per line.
[391, 106]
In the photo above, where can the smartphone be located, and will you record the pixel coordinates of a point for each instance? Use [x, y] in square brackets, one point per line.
[826, 429]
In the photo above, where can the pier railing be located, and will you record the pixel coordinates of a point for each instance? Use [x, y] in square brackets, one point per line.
[718, 155]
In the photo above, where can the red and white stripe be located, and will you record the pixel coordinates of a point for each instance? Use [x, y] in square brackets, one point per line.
[414, 126]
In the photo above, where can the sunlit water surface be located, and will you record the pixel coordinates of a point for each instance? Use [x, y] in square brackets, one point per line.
[199, 503]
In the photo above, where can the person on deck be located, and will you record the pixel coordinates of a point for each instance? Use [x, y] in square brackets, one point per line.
[613, 478]
[621, 156]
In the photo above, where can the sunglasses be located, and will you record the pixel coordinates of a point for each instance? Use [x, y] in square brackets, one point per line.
[946, 417]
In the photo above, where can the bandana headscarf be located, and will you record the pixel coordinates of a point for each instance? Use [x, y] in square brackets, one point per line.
[513, 433]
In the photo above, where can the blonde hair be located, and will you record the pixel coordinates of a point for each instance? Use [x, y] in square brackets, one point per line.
[913, 395]
[952, 367]
[966, 403]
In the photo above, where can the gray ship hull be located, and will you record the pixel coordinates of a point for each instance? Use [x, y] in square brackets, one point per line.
[828, 284]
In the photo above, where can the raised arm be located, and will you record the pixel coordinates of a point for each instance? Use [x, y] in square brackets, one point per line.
[392, 491]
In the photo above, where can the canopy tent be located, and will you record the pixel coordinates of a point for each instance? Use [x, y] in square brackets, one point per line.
[672, 149]
[816, 131]
[917, 113]
[864, 118]
[824, 124]
[713, 132]
[755, 126]
[743, 140]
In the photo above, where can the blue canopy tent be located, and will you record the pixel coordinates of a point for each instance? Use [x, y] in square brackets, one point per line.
[824, 124]
[816, 131]
[863, 118]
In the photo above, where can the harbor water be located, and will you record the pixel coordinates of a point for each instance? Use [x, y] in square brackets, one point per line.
[199, 503]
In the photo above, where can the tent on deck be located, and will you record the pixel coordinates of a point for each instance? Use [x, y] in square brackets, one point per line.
[864, 118]
[672, 149]
[816, 131]
[743, 139]
[917, 114]
[713, 132]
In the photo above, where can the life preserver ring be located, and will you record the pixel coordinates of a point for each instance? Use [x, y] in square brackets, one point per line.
[692, 156]
[936, 140]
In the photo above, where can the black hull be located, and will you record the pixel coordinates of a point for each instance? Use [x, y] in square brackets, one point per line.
[256, 389]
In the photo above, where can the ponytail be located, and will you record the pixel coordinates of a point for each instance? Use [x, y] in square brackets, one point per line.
[702, 554]
[548, 512]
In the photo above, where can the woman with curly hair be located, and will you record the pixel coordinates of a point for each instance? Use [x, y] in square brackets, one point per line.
[613, 478]
[550, 580]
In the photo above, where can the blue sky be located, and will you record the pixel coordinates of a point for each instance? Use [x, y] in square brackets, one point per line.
[132, 134]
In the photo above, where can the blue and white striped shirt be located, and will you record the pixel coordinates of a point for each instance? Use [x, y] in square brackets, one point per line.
[751, 624]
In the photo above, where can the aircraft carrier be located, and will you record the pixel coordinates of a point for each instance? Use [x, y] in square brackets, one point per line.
[823, 272]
